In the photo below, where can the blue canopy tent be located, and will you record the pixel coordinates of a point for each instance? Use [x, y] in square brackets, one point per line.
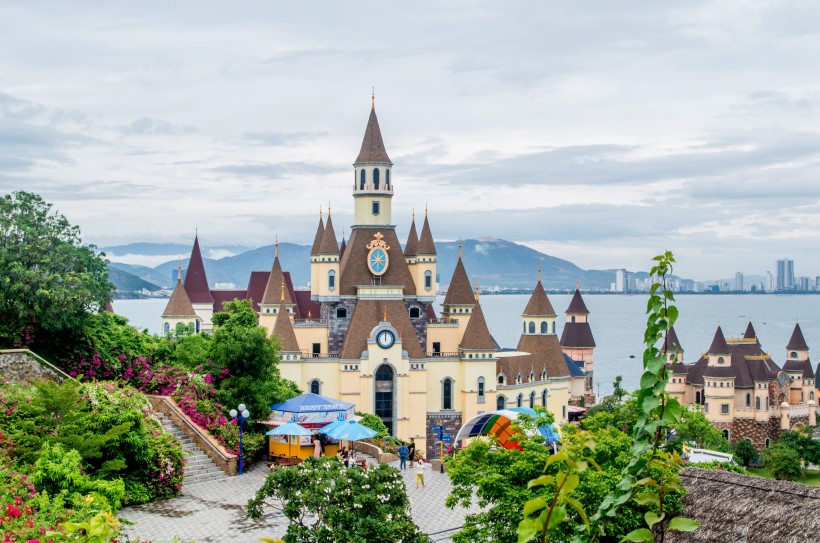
[312, 410]
[288, 434]
[349, 430]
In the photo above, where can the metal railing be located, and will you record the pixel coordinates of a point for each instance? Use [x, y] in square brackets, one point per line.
[311, 354]
[453, 322]
[297, 323]
[441, 354]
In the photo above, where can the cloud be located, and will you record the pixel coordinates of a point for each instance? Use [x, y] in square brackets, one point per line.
[280, 139]
[154, 127]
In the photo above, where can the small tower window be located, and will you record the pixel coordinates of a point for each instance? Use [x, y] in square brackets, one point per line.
[757, 404]
[532, 327]
[375, 208]
[544, 397]
[428, 280]
[167, 328]
[500, 402]
[315, 387]
[361, 179]
[331, 280]
[415, 313]
[520, 400]
[525, 327]
[387, 179]
[553, 327]
[341, 312]
[748, 400]
[720, 360]
[376, 179]
[794, 354]
[544, 327]
[481, 389]
[532, 399]
[447, 394]
[573, 319]
[197, 326]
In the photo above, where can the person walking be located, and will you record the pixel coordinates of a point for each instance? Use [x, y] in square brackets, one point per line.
[403, 452]
[411, 451]
[420, 466]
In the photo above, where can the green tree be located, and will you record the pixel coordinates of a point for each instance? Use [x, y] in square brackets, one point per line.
[49, 280]
[374, 423]
[782, 461]
[324, 501]
[744, 451]
[243, 348]
[802, 442]
[693, 427]
[617, 390]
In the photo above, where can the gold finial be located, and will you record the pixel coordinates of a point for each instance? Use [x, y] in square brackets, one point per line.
[373, 99]
[476, 287]
[179, 270]
[276, 253]
[282, 299]
[413, 215]
[320, 212]
[343, 233]
[328, 209]
[459, 248]
[539, 273]
[425, 210]
[576, 284]
[384, 317]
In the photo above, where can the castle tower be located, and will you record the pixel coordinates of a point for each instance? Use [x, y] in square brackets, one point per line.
[798, 367]
[538, 317]
[284, 329]
[179, 309]
[459, 302]
[196, 286]
[314, 256]
[373, 185]
[425, 268]
[797, 348]
[672, 346]
[576, 338]
[324, 266]
[276, 295]
[719, 352]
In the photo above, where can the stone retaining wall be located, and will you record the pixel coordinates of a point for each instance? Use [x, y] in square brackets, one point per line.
[23, 367]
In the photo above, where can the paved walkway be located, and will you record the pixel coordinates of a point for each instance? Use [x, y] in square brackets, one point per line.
[214, 511]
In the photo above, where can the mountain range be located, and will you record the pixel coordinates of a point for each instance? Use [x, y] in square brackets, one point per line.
[495, 262]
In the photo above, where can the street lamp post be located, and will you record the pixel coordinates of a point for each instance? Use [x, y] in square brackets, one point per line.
[241, 414]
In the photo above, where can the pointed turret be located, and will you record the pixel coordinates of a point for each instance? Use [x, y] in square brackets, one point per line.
[412, 246]
[477, 335]
[196, 282]
[274, 289]
[320, 232]
[671, 343]
[283, 327]
[577, 305]
[750, 332]
[343, 246]
[372, 145]
[180, 304]
[426, 244]
[797, 341]
[539, 304]
[460, 291]
[329, 245]
[719, 345]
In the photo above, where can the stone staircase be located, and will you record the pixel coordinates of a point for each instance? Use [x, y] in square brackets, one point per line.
[199, 468]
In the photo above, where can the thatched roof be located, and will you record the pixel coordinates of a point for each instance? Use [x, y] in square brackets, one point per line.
[732, 507]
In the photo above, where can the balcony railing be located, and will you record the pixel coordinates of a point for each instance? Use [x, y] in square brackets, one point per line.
[309, 323]
[451, 322]
[310, 354]
[442, 354]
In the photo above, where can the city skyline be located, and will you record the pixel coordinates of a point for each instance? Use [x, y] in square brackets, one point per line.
[600, 134]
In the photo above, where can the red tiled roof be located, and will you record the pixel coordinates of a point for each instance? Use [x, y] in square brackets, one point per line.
[671, 343]
[222, 296]
[329, 245]
[372, 145]
[719, 345]
[196, 282]
[431, 311]
[366, 315]
[545, 354]
[273, 290]
[284, 329]
[750, 332]
[343, 247]
[317, 240]
[354, 270]
[179, 305]
[577, 305]
[306, 306]
[256, 287]
[577, 334]
[803, 366]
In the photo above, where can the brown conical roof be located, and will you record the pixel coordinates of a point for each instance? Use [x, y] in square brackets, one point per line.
[274, 288]
[750, 332]
[372, 145]
[320, 232]
[196, 282]
[179, 305]
[719, 345]
[577, 305]
[426, 244]
[477, 335]
[539, 304]
[672, 343]
[797, 341]
[412, 246]
[460, 292]
[284, 329]
[329, 245]
[344, 245]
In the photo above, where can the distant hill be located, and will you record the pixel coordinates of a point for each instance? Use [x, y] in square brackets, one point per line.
[126, 282]
[498, 263]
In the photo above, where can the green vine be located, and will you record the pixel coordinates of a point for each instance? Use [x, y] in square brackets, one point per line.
[656, 413]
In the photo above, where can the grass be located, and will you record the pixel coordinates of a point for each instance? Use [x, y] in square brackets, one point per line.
[812, 475]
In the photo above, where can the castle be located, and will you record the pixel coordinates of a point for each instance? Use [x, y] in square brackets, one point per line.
[741, 390]
[366, 332]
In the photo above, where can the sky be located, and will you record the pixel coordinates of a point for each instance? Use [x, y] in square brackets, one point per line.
[599, 132]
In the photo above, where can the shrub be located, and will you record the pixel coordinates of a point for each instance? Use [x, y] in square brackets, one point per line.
[783, 462]
[744, 451]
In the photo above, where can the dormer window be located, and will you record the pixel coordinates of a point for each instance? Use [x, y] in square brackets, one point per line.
[793, 354]
[361, 179]
[518, 380]
[500, 379]
[720, 360]
[532, 376]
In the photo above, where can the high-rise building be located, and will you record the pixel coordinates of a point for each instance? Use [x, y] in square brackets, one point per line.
[739, 282]
[770, 282]
[620, 280]
[802, 284]
[785, 274]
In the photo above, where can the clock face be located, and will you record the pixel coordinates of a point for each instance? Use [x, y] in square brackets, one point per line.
[782, 378]
[385, 339]
[377, 261]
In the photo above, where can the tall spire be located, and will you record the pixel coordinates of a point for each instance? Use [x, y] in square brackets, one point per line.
[460, 292]
[797, 341]
[274, 290]
[179, 305]
[539, 304]
[179, 270]
[577, 305]
[412, 246]
[719, 345]
[196, 282]
[329, 245]
[320, 231]
[343, 246]
[372, 145]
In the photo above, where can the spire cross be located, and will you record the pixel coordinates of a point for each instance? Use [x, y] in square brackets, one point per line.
[276, 253]
[539, 273]
[459, 248]
[373, 99]
[476, 287]
[179, 269]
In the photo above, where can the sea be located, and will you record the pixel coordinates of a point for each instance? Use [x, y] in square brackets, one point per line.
[618, 322]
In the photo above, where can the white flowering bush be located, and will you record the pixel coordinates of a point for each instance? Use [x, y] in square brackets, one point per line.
[325, 501]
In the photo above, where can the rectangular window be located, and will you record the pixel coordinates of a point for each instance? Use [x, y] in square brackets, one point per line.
[724, 409]
[375, 208]
[428, 281]
[436, 347]
[481, 392]
[317, 350]
[331, 281]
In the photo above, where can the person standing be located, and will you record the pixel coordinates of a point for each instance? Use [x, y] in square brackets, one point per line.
[403, 452]
[317, 446]
[420, 466]
[411, 451]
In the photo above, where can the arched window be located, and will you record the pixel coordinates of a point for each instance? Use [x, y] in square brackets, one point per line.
[811, 395]
[748, 400]
[518, 380]
[757, 404]
[196, 326]
[573, 318]
[387, 179]
[376, 178]
[415, 312]
[315, 387]
[500, 378]
[532, 327]
[331, 280]
[520, 400]
[766, 443]
[726, 434]
[697, 397]
[532, 399]
[532, 376]
[544, 397]
[341, 312]
[447, 394]
[543, 375]
[428, 280]
[481, 389]
[500, 402]
[794, 354]
[553, 327]
[361, 179]
[720, 360]
[167, 328]
[544, 327]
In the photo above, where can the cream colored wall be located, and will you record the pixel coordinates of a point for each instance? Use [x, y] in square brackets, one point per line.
[472, 370]
[205, 312]
[558, 391]
[173, 321]
[363, 208]
[527, 319]
[576, 387]
[423, 264]
[437, 370]
[319, 281]
[446, 334]
[716, 396]
[306, 336]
